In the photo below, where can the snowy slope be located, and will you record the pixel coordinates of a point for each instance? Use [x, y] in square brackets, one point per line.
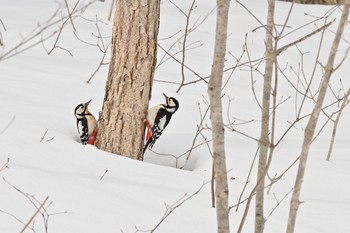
[94, 191]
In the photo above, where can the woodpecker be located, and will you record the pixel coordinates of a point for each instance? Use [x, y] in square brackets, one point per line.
[158, 117]
[86, 124]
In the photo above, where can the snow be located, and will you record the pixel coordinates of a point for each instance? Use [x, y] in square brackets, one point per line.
[94, 191]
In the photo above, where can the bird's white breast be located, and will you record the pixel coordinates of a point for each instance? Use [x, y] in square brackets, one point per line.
[152, 113]
[91, 123]
[80, 127]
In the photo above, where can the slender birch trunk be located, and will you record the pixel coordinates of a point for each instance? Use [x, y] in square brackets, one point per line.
[311, 125]
[214, 91]
[264, 141]
[130, 77]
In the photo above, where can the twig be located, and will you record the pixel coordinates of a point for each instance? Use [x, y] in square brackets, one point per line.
[70, 14]
[199, 129]
[39, 206]
[3, 25]
[169, 37]
[272, 182]
[177, 157]
[100, 45]
[184, 45]
[278, 203]
[13, 216]
[342, 60]
[248, 179]
[166, 56]
[233, 70]
[335, 124]
[267, 186]
[36, 212]
[175, 59]
[36, 36]
[104, 174]
[241, 133]
[1, 39]
[44, 135]
[101, 63]
[5, 166]
[111, 10]
[50, 139]
[8, 125]
[253, 15]
[170, 209]
[324, 27]
[68, 18]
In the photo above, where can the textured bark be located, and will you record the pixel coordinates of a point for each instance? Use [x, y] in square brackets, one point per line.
[214, 91]
[311, 125]
[131, 70]
[265, 120]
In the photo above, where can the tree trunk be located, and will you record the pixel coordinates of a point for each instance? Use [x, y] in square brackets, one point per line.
[311, 125]
[214, 91]
[129, 84]
[265, 120]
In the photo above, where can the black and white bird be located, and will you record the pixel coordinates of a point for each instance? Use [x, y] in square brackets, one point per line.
[158, 117]
[86, 123]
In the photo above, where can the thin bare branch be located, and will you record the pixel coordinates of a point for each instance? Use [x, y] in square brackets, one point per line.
[169, 209]
[35, 214]
[5, 165]
[247, 180]
[285, 47]
[7, 126]
[335, 124]
[70, 13]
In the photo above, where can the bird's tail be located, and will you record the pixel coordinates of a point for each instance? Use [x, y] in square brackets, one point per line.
[148, 144]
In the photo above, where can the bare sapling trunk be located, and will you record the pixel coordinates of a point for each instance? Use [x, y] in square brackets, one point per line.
[311, 125]
[264, 141]
[214, 91]
[131, 70]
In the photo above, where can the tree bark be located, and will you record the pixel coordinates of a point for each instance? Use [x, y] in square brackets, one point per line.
[130, 77]
[214, 91]
[311, 125]
[264, 141]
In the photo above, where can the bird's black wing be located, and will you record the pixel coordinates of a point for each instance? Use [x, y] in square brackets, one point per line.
[161, 121]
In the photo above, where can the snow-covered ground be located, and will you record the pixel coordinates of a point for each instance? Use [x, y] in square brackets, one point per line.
[93, 191]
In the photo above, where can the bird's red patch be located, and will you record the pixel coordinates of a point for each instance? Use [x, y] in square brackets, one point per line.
[149, 133]
[92, 137]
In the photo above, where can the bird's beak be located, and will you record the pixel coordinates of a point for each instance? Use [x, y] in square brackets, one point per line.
[87, 103]
[166, 97]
